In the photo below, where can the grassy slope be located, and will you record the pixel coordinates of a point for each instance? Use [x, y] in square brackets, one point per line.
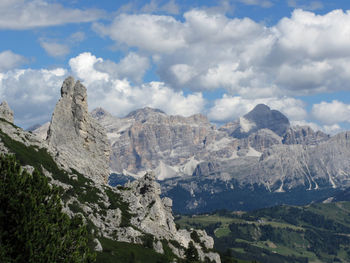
[315, 233]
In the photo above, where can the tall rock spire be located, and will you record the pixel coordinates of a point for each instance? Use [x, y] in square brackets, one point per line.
[75, 137]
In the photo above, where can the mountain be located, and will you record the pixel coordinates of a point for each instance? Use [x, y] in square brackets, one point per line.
[75, 157]
[261, 117]
[202, 167]
[171, 146]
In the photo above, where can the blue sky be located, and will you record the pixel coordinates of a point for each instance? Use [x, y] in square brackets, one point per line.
[219, 58]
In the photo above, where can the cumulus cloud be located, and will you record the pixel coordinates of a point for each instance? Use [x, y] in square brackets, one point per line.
[60, 48]
[150, 32]
[331, 113]
[26, 14]
[10, 60]
[154, 6]
[262, 3]
[119, 97]
[32, 94]
[54, 49]
[132, 67]
[310, 5]
[229, 108]
[300, 55]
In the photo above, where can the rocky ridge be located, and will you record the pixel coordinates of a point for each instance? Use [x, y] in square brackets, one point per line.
[198, 162]
[134, 213]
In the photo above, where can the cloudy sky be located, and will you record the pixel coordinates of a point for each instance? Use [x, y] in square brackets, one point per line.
[219, 58]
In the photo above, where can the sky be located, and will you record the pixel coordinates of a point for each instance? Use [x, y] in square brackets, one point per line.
[218, 58]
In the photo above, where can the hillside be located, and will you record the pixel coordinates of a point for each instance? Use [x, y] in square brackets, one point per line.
[315, 233]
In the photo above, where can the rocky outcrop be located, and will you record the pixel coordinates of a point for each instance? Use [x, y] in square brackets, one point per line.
[261, 117]
[77, 140]
[304, 135]
[5, 112]
[153, 215]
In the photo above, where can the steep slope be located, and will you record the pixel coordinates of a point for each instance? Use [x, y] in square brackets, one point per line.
[133, 214]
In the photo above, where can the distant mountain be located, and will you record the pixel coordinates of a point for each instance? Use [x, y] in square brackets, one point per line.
[205, 167]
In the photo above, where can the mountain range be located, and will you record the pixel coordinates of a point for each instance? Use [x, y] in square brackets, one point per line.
[256, 161]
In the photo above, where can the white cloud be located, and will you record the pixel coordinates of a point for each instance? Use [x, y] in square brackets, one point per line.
[153, 33]
[229, 108]
[262, 3]
[310, 5]
[154, 6]
[303, 54]
[61, 48]
[10, 60]
[32, 94]
[119, 97]
[331, 113]
[54, 49]
[132, 67]
[26, 14]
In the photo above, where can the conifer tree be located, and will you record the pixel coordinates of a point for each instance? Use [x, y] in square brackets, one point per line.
[191, 253]
[33, 227]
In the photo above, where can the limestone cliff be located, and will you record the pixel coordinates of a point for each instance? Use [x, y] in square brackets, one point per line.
[75, 137]
[5, 112]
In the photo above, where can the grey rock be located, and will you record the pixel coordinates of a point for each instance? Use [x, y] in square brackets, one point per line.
[77, 139]
[5, 112]
[304, 135]
[42, 130]
[261, 117]
[98, 246]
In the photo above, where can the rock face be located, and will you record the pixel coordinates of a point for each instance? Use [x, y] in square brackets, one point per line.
[153, 215]
[5, 112]
[304, 135]
[75, 136]
[261, 117]
[171, 146]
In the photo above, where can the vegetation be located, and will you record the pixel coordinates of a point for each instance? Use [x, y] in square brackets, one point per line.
[33, 227]
[121, 252]
[315, 233]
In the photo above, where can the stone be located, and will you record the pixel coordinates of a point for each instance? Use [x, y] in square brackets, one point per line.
[5, 112]
[77, 140]
[98, 246]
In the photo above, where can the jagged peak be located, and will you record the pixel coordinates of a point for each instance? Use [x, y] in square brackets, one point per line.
[99, 113]
[6, 112]
[145, 112]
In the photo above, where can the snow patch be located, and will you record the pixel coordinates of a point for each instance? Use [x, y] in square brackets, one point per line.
[253, 152]
[246, 125]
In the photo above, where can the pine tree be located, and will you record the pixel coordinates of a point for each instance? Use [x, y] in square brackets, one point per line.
[33, 227]
[191, 253]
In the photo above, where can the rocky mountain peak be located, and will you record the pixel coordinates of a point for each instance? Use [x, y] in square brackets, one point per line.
[261, 117]
[100, 113]
[145, 114]
[75, 136]
[5, 112]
